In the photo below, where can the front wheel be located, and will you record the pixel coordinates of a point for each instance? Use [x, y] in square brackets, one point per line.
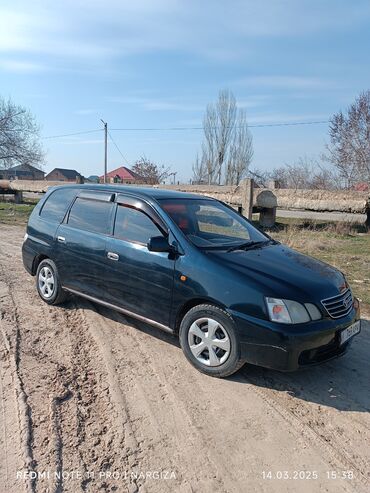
[48, 283]
[209, 340]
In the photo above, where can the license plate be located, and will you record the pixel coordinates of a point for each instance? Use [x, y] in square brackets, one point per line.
[350, 331]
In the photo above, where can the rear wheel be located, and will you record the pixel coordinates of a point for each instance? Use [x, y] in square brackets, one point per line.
[48, 283]
[210, 342]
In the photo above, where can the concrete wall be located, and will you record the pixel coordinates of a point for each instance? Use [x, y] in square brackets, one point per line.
[243, 197]
[323, 200]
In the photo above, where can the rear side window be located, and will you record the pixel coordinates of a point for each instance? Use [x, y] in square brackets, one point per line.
[91, 215]
[134, 225]
[57, 203]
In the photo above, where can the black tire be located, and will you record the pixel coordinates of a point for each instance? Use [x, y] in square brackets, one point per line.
[226, 328]
[53, 293]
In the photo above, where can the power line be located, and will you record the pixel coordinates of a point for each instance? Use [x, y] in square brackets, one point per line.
[287, 124]
[71, 134]
[282, 124]
[118, 149]
[163, 129]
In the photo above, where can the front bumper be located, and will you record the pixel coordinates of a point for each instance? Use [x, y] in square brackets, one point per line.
[290, 347]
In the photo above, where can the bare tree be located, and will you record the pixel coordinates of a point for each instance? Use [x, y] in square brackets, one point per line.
[19, 137]
[349, 147]
[241, 151]
[218, 126]
[209, 161]
[305, 173]
[260, 177]
[227, 147]
[151, 172]
[200, 173]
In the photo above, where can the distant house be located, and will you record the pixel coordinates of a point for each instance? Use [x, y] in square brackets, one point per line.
[362, 187]
[22, 172]
[123, 175]
[63, 174]
[93, 179]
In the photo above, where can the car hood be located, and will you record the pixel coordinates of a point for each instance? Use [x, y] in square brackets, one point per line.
[282, 272]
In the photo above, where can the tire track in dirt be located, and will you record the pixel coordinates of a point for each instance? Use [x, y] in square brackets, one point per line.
[122, 446]
[20, 322]
[152, 392]
[176, 404]
[334, 432]
[123, 388]
[12, 341]
[303, 422]
[106, 394]
[72, 429]
[338, 460]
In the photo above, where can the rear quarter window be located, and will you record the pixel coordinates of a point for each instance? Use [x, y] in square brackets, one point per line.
[91, 215]
[57, 203]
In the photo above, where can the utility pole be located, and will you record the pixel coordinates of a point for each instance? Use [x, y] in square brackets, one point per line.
[105, 149]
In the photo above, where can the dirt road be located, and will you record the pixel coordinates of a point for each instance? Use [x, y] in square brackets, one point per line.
[91, 401]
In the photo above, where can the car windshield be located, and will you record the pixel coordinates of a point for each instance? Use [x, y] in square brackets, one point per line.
[210, 224]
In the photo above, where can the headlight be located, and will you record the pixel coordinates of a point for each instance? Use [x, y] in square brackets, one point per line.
[289, 312]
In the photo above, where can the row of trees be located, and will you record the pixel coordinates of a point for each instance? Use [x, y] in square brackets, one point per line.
[305, 173]
[227, 150]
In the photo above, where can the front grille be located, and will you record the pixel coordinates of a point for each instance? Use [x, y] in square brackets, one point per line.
[340, 305]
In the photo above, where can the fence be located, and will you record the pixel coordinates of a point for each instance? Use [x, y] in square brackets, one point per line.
[240, 197]
[244, 197]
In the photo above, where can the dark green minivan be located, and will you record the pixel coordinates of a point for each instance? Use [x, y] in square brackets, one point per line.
[192, 266]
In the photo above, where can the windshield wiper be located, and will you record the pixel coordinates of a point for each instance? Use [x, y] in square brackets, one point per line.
[242, 246]
[248, 245]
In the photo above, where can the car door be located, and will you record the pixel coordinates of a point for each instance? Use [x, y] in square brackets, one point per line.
[81, 242]
[137, 279]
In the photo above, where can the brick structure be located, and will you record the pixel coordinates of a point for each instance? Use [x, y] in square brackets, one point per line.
[22, 172]
[63, 174]
[123, 175]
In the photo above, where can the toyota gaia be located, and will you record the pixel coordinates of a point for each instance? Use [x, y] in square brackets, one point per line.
[194, 267]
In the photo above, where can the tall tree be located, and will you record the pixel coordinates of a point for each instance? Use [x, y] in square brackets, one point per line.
[199, 170]
[19, 136]
[218, 126]
[151, 172]
[241, 151]
[227, 145]
[349, 147]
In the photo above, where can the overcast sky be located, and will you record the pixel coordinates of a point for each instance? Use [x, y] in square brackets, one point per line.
[157, 63]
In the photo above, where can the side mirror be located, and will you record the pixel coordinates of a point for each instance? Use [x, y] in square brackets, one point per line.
[159, 244]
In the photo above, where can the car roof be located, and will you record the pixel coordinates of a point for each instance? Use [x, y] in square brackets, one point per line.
[143, 192]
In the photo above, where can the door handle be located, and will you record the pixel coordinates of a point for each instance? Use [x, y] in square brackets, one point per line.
[61, 239]
[113, 256]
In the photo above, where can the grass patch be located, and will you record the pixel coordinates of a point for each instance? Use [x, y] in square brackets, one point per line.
[11, 213]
